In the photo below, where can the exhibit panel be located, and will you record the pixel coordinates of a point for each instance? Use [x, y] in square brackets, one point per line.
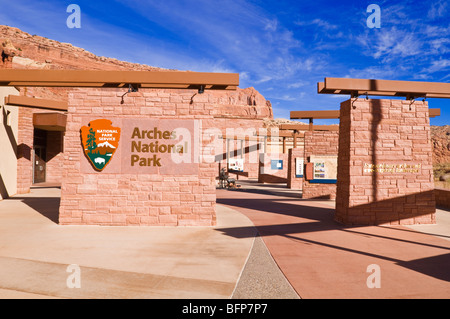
[321, 149]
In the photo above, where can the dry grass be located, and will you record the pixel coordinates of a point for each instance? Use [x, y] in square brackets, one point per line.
[438, 171]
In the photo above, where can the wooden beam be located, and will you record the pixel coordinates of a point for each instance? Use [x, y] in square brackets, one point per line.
[147, 79]
[50, 121]
[297, 115]
[434, 112]
[332, 114]
[289, 133]
[241, 138]
[306, 127]
[31, 102]
[282, 133]
[410, 89]
[386, 86]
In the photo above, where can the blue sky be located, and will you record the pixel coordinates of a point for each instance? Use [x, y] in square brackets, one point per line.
[282, 48]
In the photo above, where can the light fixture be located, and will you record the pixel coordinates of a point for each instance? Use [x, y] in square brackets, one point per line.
[131, 89]
[201, 90]
[8, 118]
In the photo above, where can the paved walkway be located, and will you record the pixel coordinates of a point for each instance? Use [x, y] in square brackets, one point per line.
[323, 259]
[115, 262]
[318, 257]
[130, 262]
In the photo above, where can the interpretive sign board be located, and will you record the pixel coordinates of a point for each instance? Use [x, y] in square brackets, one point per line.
[236, 164]
[324, 168]
[299, 167]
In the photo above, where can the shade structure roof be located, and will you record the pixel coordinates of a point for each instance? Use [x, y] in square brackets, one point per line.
[408, 89]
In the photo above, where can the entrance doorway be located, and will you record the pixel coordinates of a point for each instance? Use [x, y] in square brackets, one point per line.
[39, 156]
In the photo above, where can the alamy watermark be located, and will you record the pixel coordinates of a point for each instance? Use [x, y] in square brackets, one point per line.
[374, 279]
[74, 279]
[74, 19]
[374, 19]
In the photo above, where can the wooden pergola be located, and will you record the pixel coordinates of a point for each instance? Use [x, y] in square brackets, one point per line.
[120, 79]
[408, 89]
[131, 80]
[334, 114]
[45, 104]
[305, 127]
[284, 134]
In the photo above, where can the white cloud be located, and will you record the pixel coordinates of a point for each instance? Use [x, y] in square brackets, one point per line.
[271, 25]
[439, 65]
[390, 43]
[437, 10]
[297, 84]
[265, 78]
[284, 97]
[319, 23]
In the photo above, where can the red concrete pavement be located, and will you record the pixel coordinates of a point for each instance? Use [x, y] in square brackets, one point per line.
[323, 259]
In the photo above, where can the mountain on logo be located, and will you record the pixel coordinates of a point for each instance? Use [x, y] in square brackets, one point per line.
[100, 154]
[105, 144]
[104, 149]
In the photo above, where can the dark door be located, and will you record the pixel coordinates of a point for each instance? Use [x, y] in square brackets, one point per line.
[39, 164]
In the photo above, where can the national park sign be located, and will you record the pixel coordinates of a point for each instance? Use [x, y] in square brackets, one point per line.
[147, 146]
[100, 141]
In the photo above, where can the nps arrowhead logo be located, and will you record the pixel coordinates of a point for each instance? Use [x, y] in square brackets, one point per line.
[100, 141]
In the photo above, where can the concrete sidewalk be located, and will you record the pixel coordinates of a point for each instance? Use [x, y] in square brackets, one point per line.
[116, 262]
[323, 259]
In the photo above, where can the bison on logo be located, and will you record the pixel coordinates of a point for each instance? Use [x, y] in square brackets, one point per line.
[100, 141]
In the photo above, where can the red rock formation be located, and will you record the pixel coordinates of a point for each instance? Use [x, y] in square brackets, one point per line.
[25, 51]
[440, 138]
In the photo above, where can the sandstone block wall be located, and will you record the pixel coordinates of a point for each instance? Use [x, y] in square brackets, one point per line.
[385, 163]
[103, 198]
[442, 197]
[320, 143]
[293, 181]
[55, 156]
[25, 151]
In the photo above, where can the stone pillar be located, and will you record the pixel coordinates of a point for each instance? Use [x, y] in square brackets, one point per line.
[25, 151]
[294, 182]
[385, 172]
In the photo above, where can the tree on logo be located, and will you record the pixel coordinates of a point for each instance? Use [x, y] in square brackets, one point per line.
[90, 142]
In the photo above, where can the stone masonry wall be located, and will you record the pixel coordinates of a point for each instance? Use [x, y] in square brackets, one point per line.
[25, 151]
[385, 163]
[135, 199]
[293, 181]
[55, 156]
[442, 197]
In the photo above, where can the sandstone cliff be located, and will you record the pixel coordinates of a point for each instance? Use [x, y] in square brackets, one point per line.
[20, 50]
